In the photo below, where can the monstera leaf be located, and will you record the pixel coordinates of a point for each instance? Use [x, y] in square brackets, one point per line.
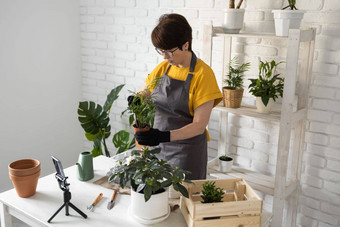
[93, 119]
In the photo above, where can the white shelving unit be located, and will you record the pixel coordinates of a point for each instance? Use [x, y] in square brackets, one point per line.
[285, 185]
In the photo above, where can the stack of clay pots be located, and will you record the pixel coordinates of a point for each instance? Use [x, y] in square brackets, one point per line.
[24, 174]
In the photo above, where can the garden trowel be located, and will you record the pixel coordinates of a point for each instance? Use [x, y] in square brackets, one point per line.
[111, 203]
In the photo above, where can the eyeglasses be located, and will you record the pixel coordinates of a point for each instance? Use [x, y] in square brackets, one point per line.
[167, 53]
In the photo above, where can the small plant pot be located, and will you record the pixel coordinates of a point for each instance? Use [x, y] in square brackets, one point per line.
[225, 165]
[287, 19]
[139, 147]
[232, 98]
[25, 186]
[233, 20]
[261, 108]
[155, 210]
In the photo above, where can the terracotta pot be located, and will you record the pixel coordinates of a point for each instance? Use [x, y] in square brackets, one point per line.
[24, 174]
[25, 186]
[24, 167]
[139, 147]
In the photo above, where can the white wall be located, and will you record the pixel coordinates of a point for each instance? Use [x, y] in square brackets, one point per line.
[116, 48]
[40, 83]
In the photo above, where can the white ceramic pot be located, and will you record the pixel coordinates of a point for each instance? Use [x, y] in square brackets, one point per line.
[173, 194]
[261, 108]
[226, 166]
[233, 20]
[287, 19]
[155, 210]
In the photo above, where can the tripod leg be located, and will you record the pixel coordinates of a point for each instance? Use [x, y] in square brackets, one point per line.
[76, 209]
[66, 209]
[49, 220]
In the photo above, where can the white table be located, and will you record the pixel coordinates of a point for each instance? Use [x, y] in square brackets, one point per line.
[37, 209]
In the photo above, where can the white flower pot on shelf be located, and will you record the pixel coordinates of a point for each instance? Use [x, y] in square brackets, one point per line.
[233, 20]
[226, 165]
[155, 210]
[287, 19]
[261, 108]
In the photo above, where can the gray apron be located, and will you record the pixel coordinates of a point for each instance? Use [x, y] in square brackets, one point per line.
[171, 98]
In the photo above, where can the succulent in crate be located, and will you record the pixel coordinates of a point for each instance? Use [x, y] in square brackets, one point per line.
[211, 193]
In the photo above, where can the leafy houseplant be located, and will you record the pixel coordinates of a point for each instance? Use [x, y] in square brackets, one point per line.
[211, 193]
[233, 17]
[147, 174]
[233, 90]
[287, 19]
[225, 163]
[95, 121]
[269, 84]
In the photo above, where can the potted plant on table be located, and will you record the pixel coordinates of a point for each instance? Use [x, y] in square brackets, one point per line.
[211, 193]
[267, 87]
[233, 91]
[149, 177]
[233, 17]
[286, 18]
[95, 121]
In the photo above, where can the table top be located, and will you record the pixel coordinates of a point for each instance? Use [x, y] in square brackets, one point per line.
[49, 197]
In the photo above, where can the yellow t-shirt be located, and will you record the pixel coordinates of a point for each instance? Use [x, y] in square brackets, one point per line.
[203, 87]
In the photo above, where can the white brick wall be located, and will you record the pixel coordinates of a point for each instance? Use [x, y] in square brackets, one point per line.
[116, 48]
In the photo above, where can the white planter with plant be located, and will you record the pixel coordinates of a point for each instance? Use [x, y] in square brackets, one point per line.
[233, 18]
[233, 91]
[149, 177]
[287, 18]
[268, 85]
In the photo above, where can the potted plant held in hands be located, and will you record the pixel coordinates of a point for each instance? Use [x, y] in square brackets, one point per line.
[233, 17]
[286, 18]
[267, 87]
[149, 178]
[233, 91]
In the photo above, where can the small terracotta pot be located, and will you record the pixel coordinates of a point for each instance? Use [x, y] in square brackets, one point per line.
[139, 147]
[24, 174]
[24, 167]
[25, 186]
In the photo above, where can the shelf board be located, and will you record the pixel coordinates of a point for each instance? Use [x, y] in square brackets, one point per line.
[250, 111]
[218, 31]
[256, 180]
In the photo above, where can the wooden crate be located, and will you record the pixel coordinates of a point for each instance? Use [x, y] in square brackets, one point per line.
[241, 206]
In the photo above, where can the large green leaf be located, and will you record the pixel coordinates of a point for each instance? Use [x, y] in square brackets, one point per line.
[92, 117]
[112, 97]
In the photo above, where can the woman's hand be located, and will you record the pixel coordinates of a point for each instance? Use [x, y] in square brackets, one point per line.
[153, 137]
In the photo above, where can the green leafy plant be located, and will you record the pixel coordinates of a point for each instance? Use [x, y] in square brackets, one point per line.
[147, 174]
[235, 74]
[211, 193]
[268, 84]
[122, 141]
[291, 5]
[142, 109]
[95, 121]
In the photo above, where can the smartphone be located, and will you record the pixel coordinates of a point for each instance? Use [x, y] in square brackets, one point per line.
[59, 168]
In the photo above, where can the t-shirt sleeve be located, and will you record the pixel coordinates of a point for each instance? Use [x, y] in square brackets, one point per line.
[206, 88]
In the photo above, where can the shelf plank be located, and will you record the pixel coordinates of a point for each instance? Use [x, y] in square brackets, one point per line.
[218, 31]
[251, 112]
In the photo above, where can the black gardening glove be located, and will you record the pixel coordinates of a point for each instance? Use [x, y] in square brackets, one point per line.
[153, 137]
[133, 99]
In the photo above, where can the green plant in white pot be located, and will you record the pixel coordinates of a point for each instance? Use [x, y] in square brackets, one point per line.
[287, 18]
[267, 87]
[149, 178]
[233, 89]
[233, 17]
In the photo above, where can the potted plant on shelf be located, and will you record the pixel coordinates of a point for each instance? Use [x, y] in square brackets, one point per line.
[225, 163]
[286, 18]
[267, 87]
[149, 177]
[95, 121]
[211, 193]
[233, 91]
[233, 17]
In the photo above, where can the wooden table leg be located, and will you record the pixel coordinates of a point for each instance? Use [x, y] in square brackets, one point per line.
[6, 218]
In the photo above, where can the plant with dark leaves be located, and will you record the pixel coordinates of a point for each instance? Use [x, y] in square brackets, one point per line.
[211, 193]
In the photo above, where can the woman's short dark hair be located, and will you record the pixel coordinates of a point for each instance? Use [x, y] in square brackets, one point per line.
[173, 30]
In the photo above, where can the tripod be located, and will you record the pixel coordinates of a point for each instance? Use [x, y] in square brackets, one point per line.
[67, 197]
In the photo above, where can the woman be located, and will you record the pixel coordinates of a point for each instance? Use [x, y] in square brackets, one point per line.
[184, 98]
